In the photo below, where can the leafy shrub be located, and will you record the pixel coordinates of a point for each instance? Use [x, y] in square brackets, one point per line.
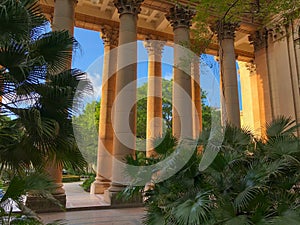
[250, 181]
[86, 185]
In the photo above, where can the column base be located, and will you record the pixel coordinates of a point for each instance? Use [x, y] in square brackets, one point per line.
[99, 187]
[41, 205]
[114, 200]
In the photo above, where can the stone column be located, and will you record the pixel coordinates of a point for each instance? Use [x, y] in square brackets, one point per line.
[229, 85]
[250, 97]
[196, 97]
[154, 100]
[180, 19]
[109, 36]
[64, 15]
[126, 87]
[259, 41]
[63, 19]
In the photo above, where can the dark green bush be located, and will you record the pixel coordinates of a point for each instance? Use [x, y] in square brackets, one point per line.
[245, 181]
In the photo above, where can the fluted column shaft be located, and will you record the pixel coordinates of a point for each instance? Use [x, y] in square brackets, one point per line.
[106, 133]
[229, 85]
[126, 87]
[182, 124]
[196, 97]
[154, 99]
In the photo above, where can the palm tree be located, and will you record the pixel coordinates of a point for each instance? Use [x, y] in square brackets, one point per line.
[251, 181]
[37, 93]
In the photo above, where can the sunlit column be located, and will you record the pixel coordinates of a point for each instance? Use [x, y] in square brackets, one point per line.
[154, 99]
[259, 41]
[250, 97]
[229, 85]
[126, 87]
[109, 36]
[196, 97]
[180, 18]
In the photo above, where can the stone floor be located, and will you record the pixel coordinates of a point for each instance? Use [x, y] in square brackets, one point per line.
[78, 198]
[83, 208]
[128, 216]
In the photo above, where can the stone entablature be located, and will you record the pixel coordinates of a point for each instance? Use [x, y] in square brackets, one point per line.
[93, 15]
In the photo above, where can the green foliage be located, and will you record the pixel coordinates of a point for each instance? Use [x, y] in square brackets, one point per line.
[86, 185]
[142, 107]
[262, 13]
[38, 93]
[250, 181]
[70, 178]
[87, 124]
[166, 108]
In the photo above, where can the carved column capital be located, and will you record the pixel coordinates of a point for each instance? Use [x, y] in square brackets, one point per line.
[154, 47]
[251, 67]
[128, 6]
[277, 32]
[110, 35]
[180, 16]
[225, 30]
[259, 39]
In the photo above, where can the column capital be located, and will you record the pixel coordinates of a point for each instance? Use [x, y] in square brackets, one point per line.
[225, 30]
[259, 39]
[154, 47]
[128, 6]
[251, 67]
[180, 16]
[110, 35]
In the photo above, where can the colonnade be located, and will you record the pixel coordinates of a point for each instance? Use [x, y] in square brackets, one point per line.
[118, 104]
[186, 99]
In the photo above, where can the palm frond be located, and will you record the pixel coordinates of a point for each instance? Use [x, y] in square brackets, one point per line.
[19, 18]
[55, 48]
[281, 126]
[196, 211]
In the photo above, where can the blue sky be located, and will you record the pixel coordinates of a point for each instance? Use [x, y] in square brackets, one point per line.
[89, 59]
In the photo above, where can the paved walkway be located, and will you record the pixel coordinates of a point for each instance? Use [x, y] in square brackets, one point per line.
[128, 216]
[78, 198]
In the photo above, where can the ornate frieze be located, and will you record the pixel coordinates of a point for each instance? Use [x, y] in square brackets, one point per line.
[110, 35]
[128, 6]
[180, 16]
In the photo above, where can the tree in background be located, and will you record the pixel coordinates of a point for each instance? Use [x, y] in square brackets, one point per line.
[87, 125]
[88, 121]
